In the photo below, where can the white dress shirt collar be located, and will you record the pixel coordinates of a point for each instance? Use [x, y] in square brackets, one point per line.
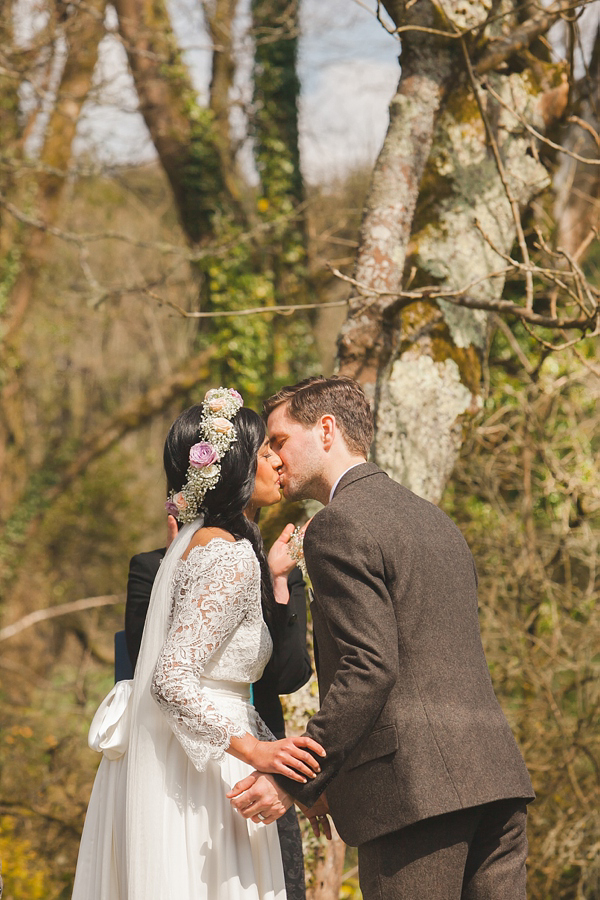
[332, 492]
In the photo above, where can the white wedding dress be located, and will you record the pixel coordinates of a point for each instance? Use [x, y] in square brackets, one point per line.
[159, 826]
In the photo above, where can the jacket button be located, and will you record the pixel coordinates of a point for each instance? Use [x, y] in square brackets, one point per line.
[293, 618]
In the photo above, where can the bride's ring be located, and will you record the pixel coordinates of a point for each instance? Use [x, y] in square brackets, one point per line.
[261, 817]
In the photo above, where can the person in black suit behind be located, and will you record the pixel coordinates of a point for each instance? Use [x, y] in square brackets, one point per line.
[288, 670]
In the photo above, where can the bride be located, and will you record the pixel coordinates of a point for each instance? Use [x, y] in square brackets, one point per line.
[178, 736]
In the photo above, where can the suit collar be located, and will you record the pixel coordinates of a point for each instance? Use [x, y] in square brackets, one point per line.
[356, 473]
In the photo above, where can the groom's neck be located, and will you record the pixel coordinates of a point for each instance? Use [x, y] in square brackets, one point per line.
[337, 468]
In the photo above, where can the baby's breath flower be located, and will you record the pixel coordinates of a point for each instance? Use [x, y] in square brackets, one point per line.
[296, 548]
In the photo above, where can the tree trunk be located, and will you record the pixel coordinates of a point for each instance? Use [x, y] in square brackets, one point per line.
[83, 32]
[470, 165]
[184, 133]
[326, 880]
[274, 126]
[577, 209]
[220, 16]
[385, 232]
[432, 384]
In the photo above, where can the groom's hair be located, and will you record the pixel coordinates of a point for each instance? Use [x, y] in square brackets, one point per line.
[337, 396]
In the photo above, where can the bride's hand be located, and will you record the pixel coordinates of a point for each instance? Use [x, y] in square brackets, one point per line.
[281, 564]
[280, 561]
[288, 757]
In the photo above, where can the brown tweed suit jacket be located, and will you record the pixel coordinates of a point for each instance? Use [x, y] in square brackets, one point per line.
[408, 715]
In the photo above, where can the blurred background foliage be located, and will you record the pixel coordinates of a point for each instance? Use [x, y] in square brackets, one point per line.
[104, 272]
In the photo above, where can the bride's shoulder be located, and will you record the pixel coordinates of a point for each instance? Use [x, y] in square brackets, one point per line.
[204, 536]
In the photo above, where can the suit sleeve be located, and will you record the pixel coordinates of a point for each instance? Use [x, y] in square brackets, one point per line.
[347, 572]
[142, 572]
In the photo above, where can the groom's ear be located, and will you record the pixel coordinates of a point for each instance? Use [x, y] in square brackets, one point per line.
[328, 430]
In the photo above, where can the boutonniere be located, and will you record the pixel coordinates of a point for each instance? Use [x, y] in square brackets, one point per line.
[296, 548]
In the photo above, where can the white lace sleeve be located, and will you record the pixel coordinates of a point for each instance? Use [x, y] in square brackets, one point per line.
[213, 596]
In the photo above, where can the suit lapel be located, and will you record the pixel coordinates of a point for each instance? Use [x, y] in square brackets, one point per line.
[356, 473]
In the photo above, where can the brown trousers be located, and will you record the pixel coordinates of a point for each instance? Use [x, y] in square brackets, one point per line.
[470, 854]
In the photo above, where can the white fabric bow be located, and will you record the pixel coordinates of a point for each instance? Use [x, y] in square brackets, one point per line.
[109, 731]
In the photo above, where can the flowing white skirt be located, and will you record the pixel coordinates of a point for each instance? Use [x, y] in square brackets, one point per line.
[207, 850]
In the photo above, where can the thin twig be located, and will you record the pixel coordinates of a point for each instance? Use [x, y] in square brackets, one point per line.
[556, 347]
[516, 347]
[575, 120]
[521, 37]
[251, 311]
[41, 615]
[459, 297]
[595, 370]
[502, 173]
[533, 131]
[159, 246]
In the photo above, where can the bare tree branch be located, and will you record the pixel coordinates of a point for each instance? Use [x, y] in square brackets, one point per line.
[256, 310]
[536, 134]
[42, 615]
[162, 247]
[460, 297]
[521, 38]
[576, 120]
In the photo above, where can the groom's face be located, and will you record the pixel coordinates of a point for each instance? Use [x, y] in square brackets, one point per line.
[300, 451]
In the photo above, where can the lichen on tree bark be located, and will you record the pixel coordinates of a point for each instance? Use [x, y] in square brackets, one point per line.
[446, 217]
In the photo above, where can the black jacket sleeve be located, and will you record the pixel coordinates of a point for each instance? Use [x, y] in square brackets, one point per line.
[142, 572]
[289, 666]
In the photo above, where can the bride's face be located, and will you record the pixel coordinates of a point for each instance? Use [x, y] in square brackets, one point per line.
[266, 485]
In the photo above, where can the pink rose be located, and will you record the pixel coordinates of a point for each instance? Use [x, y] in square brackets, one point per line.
[180, 501]
[203, 454]
[222, 426]
[236, 395]
[171, 508]
[217, 404]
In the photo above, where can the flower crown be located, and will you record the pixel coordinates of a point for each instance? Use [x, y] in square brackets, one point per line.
[218, 432]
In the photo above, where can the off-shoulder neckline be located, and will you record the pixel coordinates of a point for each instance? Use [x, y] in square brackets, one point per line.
[221, 540]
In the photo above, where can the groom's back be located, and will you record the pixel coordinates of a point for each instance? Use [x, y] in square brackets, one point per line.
[454, 746]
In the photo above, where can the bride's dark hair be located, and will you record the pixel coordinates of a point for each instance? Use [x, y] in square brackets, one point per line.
[224, 505]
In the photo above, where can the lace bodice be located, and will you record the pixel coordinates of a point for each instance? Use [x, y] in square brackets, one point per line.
[216, 632]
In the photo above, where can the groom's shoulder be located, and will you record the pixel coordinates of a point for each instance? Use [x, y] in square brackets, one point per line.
[376, 499]
[368, 484]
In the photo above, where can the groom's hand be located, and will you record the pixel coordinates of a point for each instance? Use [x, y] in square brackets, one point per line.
[317, 816]
[259, 797]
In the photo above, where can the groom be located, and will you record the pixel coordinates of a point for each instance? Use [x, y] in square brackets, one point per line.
[422, 772]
